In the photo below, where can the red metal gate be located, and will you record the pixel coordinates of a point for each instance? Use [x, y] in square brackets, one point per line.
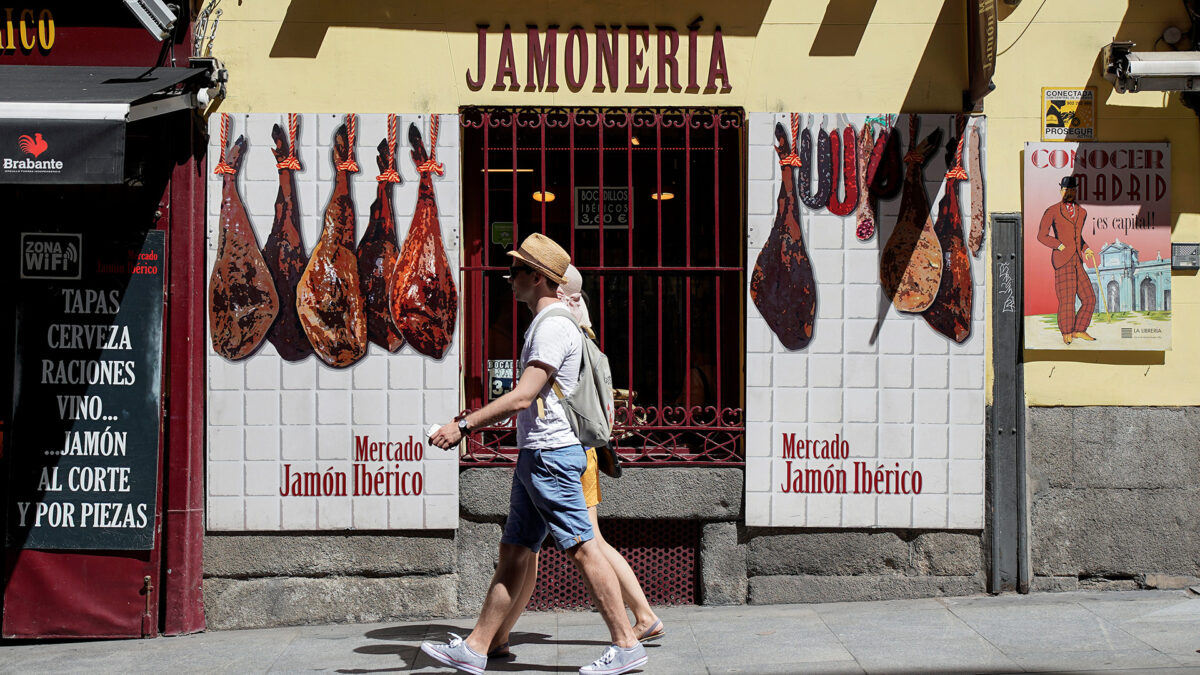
[650, 204]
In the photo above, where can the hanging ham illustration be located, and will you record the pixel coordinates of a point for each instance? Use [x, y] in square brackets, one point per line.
[824, 162]
[424, 300]
[950, 313]
[910, 268]
[284, 250]
[975, 241]
[378, 249]
[849, 172]
[864, 213]
[329, 299]
[242, 302]
[782, 285]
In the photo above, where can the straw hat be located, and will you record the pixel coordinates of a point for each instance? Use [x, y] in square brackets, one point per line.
[543, 255]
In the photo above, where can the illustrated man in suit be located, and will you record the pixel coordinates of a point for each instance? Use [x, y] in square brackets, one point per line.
[1061, 230]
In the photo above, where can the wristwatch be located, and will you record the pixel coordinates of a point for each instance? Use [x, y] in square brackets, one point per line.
[463, 427]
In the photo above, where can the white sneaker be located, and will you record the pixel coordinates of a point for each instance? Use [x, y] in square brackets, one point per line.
[616, 660]
[458, 655]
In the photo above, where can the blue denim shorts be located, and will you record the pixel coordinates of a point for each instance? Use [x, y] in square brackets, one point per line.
[547, 497]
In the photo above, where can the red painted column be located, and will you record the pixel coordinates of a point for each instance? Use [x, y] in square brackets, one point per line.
[183, 529]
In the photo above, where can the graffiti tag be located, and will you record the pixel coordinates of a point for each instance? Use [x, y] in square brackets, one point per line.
[1007, 294]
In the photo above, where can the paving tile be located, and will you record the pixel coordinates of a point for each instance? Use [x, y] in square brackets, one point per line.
[835, 668]
[1092, 661]
[1179, 640]
[866, 628]
[957, 656]
[1137, 608]
[804, 639]
[1069, 627]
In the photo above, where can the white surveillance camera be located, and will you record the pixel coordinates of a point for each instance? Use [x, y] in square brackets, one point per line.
[1131, 71]
[156, 16]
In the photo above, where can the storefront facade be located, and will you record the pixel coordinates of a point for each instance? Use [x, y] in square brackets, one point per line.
[812, 416]
[103, 424]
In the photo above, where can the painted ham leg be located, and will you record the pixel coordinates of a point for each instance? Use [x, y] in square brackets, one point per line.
[242, 302]
[974, 151]
[950, 313]
[378, 250]
[329, 297]
[424, 300]
[910, 268]
[782, 285]
[284, 250]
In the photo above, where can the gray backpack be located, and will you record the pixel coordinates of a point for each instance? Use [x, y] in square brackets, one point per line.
[589, 408]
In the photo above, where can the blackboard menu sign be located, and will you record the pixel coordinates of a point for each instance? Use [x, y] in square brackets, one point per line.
[84, 445]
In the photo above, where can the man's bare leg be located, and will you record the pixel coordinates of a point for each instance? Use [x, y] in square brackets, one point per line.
[602, 584]
[522, 600]
[505, 590]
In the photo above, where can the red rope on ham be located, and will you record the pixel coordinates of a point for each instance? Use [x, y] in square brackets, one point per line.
[430, 165]
[389, 175]
[291, 162]
[957, 172]
[791, 158]
[222, 167]
[350, 164]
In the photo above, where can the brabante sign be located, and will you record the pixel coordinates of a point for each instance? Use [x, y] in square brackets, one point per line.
[62, 151]
[672, 54]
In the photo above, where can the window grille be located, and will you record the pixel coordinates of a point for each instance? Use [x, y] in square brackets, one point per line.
[650, 204]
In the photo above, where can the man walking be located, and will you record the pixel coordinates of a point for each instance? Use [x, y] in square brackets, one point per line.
[1066, 219]
[546, 494]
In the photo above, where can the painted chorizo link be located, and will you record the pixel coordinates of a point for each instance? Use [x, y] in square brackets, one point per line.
[824, 161]
[848, 170]
[887, 171]
[975, 241]
[865, 213]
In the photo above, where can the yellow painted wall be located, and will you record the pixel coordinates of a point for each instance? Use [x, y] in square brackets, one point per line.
[1061, 48]
[386, 56]
[838, 56]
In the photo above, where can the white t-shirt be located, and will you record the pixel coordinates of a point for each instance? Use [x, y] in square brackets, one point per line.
[556, 342]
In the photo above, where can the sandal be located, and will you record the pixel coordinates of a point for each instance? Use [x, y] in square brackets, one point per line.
[500, 651]
[653, 632]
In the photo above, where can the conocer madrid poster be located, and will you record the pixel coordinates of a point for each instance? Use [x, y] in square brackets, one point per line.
[1097, 244]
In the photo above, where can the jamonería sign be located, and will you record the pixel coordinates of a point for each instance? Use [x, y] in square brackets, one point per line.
[673, 53]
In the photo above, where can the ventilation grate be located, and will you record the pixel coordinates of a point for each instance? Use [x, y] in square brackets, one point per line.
[662, 553]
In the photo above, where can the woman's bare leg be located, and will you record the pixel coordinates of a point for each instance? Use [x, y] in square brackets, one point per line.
[631, 590]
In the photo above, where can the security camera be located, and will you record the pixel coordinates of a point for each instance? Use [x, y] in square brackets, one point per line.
[156, 16]
[1131, 71]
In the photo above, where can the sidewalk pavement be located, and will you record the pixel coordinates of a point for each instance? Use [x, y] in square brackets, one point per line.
[1119, 631]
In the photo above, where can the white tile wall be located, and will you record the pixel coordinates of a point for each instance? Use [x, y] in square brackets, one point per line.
[904, 397]
[265, 413]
